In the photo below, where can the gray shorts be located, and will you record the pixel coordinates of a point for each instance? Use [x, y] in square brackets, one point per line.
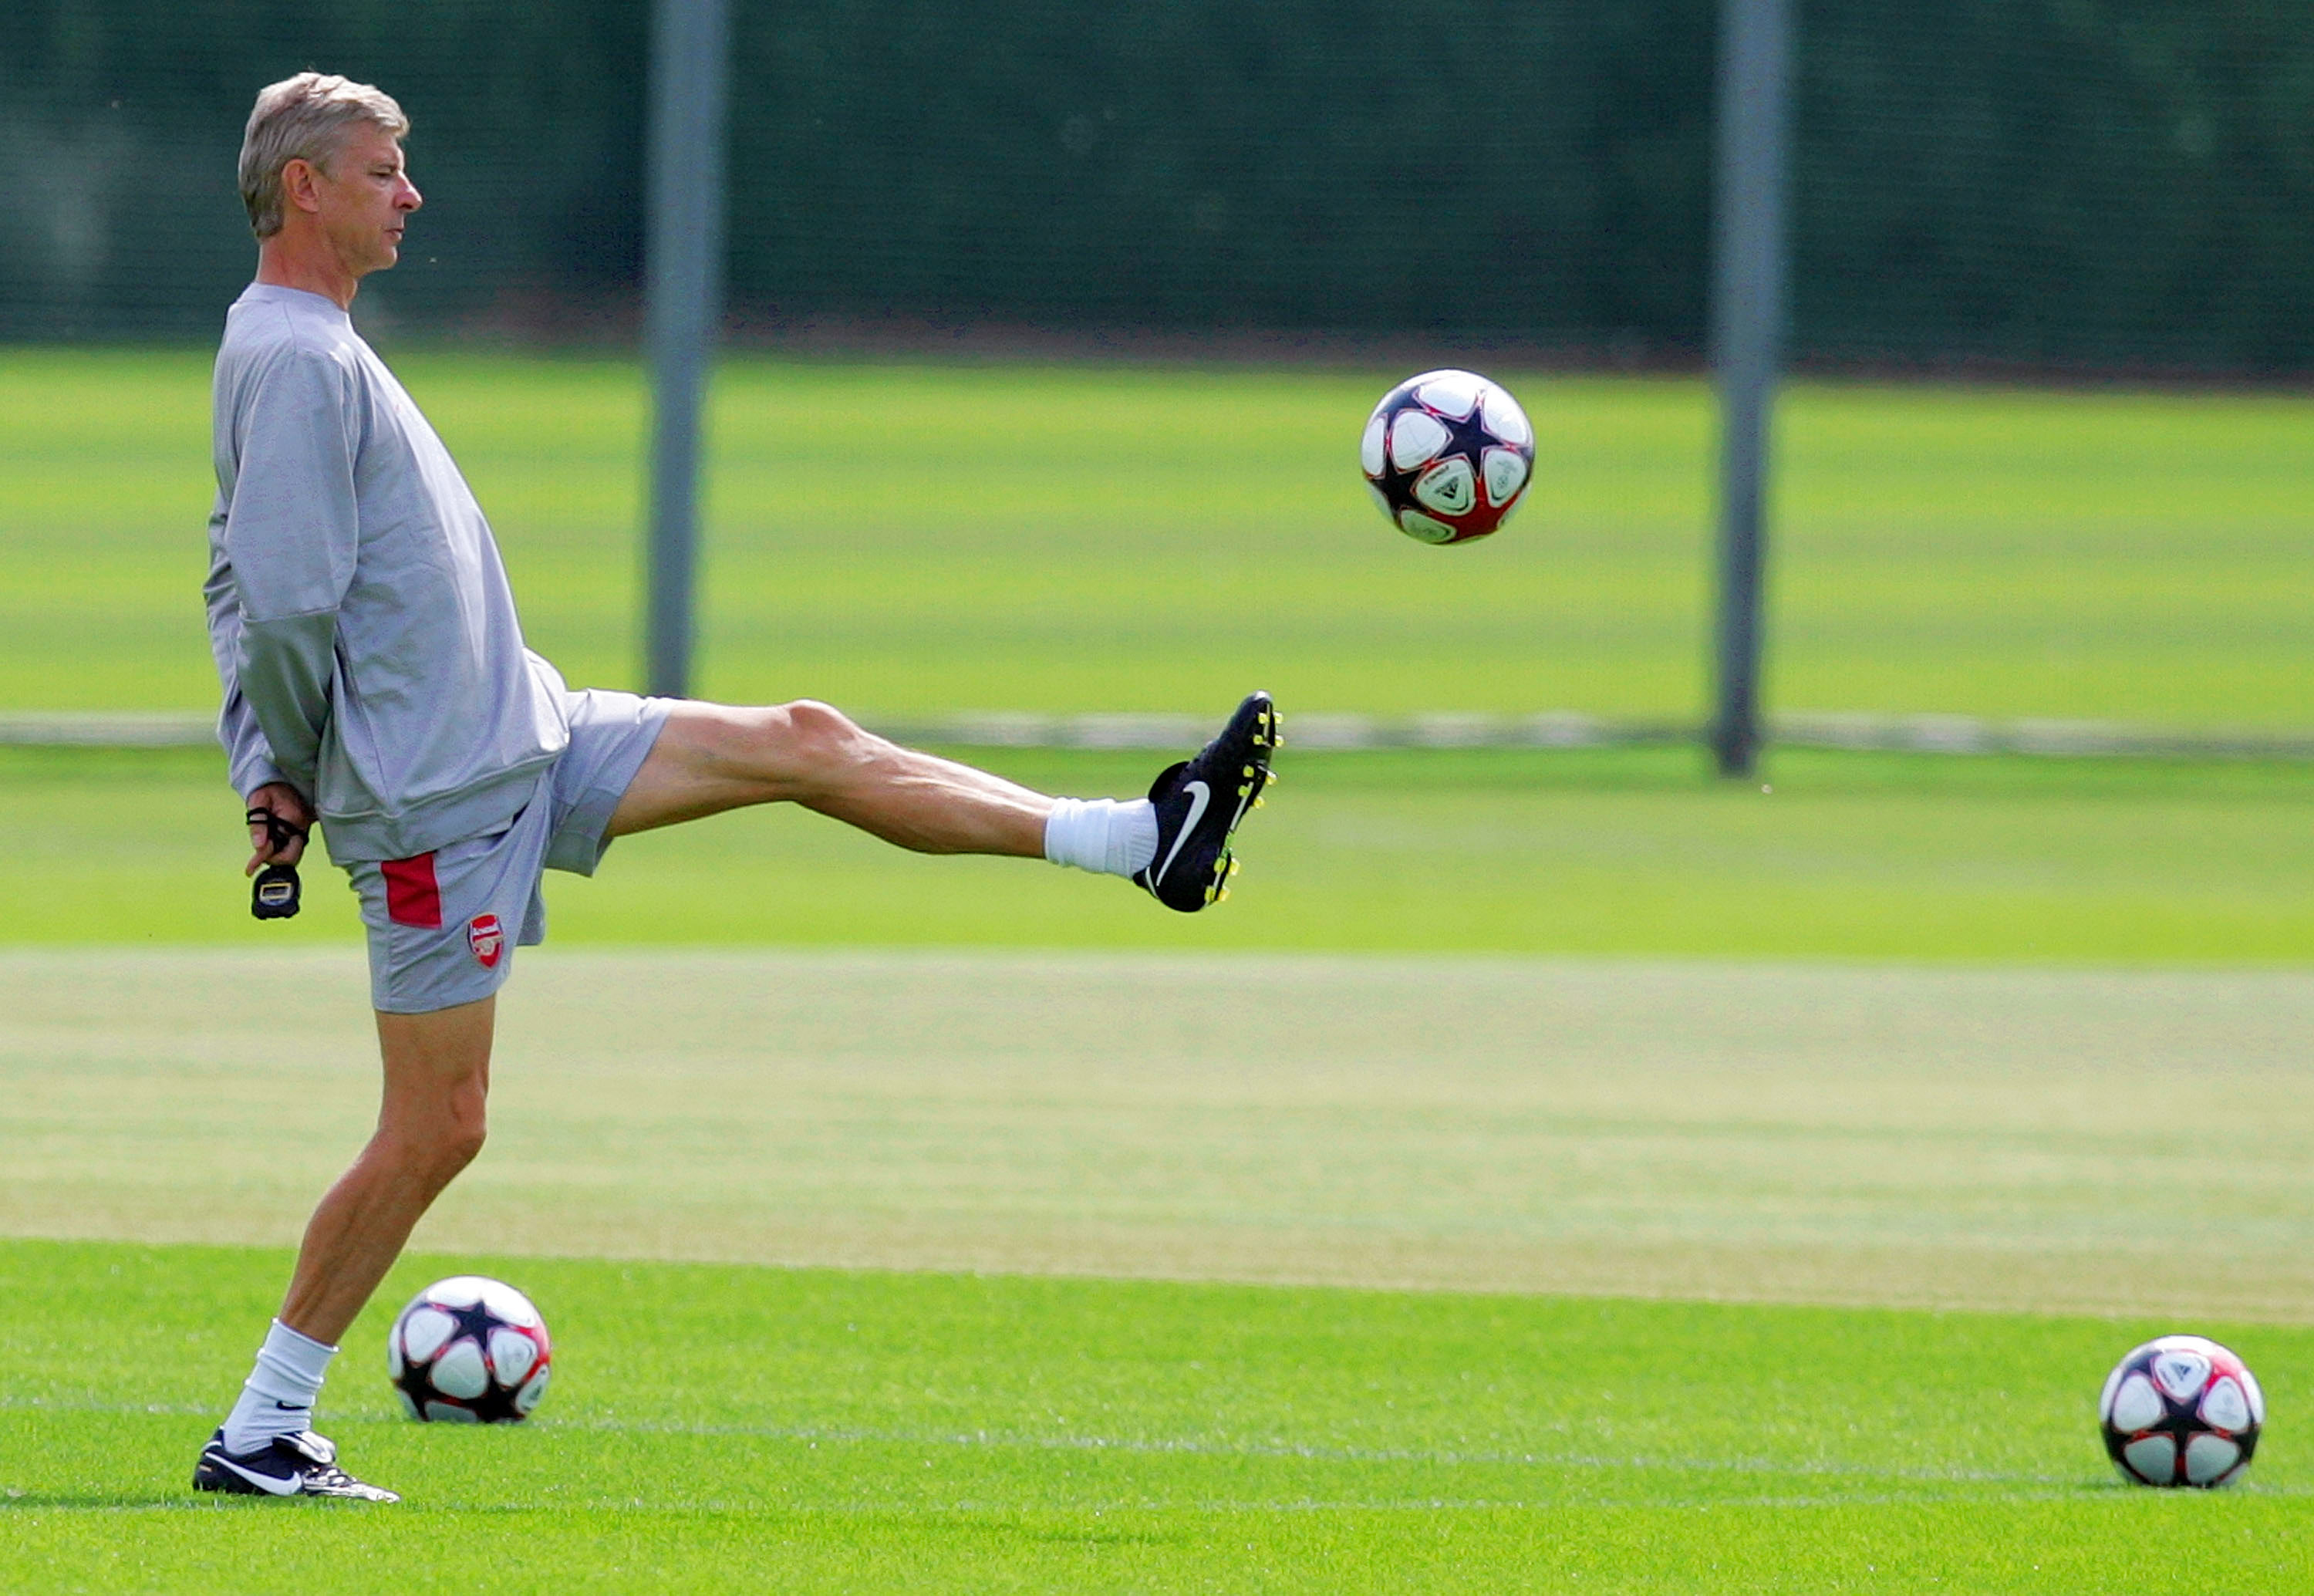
[443, 926]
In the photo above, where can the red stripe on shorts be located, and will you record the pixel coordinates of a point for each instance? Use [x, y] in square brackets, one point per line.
[411, 898]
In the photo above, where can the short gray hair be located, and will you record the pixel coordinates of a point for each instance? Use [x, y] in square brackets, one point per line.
[304, 117]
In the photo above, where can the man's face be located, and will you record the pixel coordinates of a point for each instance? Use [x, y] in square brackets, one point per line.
[364, 197]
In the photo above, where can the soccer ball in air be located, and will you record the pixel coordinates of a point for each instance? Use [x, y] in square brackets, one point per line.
[1448, 455]
[2181, 1411]
[469, 1351]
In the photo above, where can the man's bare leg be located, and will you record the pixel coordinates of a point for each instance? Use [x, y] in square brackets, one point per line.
[429, 1126]
[713, 757]
[1175, 842]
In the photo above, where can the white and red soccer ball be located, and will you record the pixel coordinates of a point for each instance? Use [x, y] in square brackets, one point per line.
[469, 1350]
[2181, 1410]
[1448, 455]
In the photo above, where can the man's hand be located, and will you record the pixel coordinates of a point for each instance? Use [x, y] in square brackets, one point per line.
[291, 809]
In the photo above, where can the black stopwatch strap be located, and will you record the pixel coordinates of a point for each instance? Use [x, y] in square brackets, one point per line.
[278, 831]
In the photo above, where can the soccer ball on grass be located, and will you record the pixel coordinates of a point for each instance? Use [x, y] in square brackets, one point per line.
[469, 1351]
[2181, 1411]
[1448, 455]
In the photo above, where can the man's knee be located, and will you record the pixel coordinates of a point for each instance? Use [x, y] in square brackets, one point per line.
[433, 1134]
[435, 1111]
[462, 1139]
[438, 1148]
[808, 743]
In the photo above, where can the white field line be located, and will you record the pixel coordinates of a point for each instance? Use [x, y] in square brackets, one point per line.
[997, 1439]
[2020, 1486]
[1317, 732]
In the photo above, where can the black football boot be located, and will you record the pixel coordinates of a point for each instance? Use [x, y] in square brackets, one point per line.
[299, 1465]
[1199, 803]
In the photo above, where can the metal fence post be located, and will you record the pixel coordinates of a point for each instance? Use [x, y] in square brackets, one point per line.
[683, 291]
[1749, 249]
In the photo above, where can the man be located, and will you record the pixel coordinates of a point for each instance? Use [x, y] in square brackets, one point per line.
[376, 680]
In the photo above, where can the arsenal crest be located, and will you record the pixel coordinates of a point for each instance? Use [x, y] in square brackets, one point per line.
[488, 941]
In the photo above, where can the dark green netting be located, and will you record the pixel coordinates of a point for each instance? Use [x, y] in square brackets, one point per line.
[2045, 182]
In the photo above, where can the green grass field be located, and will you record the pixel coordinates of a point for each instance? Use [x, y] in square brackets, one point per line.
[1633, 851]
[904, 539]
[1957, 1138]
[1551, 1170]
[720, 1429]
[1490, 1130]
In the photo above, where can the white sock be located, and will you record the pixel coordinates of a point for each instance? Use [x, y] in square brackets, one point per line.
[1102, 834]
[278, 1397]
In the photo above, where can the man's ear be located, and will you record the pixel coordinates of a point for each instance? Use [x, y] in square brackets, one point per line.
[298, 184]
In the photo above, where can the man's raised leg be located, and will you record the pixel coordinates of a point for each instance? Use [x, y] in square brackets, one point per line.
[431, 1122]
[713, 757]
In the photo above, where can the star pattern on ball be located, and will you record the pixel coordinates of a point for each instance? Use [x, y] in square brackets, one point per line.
[1469, 437]
[476, 1320]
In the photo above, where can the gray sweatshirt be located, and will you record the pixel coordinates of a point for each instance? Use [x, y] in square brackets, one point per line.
[361, 619]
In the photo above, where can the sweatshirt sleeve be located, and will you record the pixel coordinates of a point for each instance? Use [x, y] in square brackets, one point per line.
[248, 755]
[291, 534]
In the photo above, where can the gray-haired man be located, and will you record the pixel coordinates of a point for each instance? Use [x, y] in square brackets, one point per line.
[376, 679]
